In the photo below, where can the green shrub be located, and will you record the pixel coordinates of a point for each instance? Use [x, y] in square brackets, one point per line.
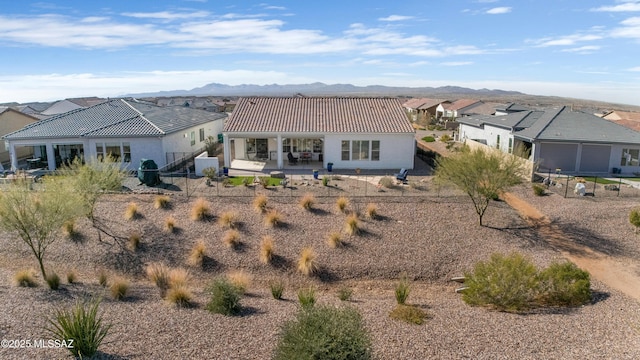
[634, 218]
[83, 325]
[225, 298]
[277, 289]
[538, 190]
[428, 139]
[445, 138]
[325, 333]
[53, 280]
[402, 290]
[564, 284]
[509, 283]
[307, 297]
[344, 293]
[325, 180]
[409, 314]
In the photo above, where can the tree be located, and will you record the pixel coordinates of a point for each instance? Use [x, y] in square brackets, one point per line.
[37, 216]
[483, 175]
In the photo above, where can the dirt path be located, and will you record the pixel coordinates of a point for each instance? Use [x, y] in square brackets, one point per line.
[609, 270]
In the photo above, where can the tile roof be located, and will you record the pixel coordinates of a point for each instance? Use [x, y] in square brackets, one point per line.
[422, 103]
[116, 118]
[319, 115]
[460, 104]
[558, 124]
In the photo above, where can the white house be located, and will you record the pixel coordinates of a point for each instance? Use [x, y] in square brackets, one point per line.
[367, 133]
[559, 138]
[129, 130]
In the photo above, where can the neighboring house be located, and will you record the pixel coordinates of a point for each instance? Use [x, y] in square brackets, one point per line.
[63, 106]
[453, 110]
[628, 119]
[367, 133]
[510, 108]
[479, 108]
[422, 109]
[12, 120]
[129, 130]
[559, 138]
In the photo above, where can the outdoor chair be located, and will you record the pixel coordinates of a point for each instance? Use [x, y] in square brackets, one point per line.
[402, 175]
[292, 159]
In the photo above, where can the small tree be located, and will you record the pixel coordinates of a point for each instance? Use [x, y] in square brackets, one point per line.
[37, 216]
[483, 175]
[634, 219]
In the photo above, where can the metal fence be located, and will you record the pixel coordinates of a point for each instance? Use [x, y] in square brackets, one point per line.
[567, 186]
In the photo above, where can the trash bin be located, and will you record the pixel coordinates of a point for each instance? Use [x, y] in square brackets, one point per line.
[315, 174]
[329, 167]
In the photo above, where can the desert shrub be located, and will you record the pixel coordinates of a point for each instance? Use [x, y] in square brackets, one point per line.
[538, 190]
[231, 238]
[277, 289]
[409, 314]
[260, 203]
[131, 212]
[445, 138]
[307, 201]
[196, 257]
[273, 218]
[509, 283]
[158, 274]
[179, 277]
[564, 284]
[200, 210]
[180, 296]
[69, 228]
[325, 332]
[241, 280]
[103, 278]
[334, 240]
[162, 202]
[634, 218]
[307, 263]
[402, 290]
[72, 276]
[25, 278]
[134, 241]
[344, 293]
[387, 182]
[225, 298]
[307, 297]
[371, 211]
[342, 203]
[264, 181]
[82, 324]
[228, 219]
[266, 249]
[170, 224]
[325, 180]
[119, 288]
[429, 138]
[352, 225]
[53, 280]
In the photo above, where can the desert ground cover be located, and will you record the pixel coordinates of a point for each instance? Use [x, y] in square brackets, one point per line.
[431, 236]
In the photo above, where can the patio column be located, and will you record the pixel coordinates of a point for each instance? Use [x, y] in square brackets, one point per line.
[227, 150]
[51, 157]
[279, 145]
[13, 157]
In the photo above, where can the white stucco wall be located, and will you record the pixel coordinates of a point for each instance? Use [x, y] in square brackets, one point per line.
[141, 148]
[616, 156]
[396, 151]
[489, 134]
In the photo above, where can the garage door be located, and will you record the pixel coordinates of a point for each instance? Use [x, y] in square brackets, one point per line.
[595, 158]
[558, 156]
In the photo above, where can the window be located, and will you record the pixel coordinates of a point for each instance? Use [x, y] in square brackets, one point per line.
[193, 138]
[113, 150]
[126, 152]
[510, 145]
[345, 150]
[630, 157]
[202, 135]
[100, 151]
[497, 141]
[360, 150]
[317, 145]
[375, 150]
[286, 145]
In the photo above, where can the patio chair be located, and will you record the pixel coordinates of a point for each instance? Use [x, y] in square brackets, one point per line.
[402, 175]
[292, 159]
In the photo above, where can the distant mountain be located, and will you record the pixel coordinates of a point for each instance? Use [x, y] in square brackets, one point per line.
[319, 89]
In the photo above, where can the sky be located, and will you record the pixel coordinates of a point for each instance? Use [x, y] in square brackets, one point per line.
[586, 49]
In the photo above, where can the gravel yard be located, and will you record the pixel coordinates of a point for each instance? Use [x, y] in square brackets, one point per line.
[431, 235]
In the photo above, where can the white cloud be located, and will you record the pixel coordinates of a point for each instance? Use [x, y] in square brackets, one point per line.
[625, 6]
[167, 15]
[396, 18]
[499, 10]
[456, 63]
[637, 68]
[567, 40]
[630, 29]
[588, 49]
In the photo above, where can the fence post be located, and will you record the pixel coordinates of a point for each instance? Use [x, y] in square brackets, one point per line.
[619, 186]
[595, 181]
[566, 188]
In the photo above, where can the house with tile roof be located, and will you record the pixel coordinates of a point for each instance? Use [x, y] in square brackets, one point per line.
[11, 120]
[453, 110]
[559, 138]
[366, 133]
[423, 109]
[66, 105]
[630, 119]
[127, 129]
